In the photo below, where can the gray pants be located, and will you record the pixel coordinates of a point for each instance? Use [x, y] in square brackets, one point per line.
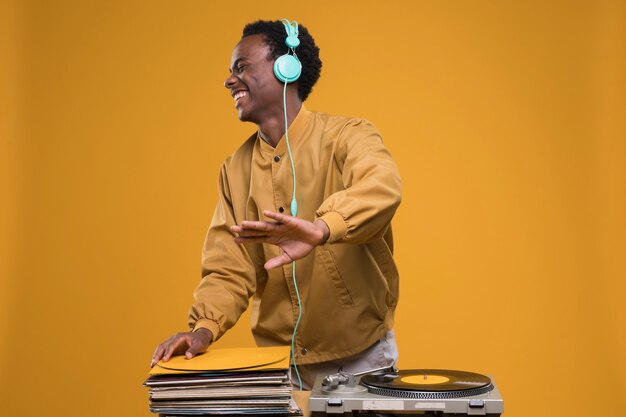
[380, 354]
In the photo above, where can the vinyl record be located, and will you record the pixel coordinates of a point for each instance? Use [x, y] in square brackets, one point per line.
[427, 383]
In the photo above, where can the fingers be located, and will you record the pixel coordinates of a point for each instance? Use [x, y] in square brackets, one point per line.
[248, 226]
[201, 339]
[158, 354]
[252, 239]
[174, 345]
[254, 236]
[280, 260]
[247, 232]
[279, 217]
[195, 348]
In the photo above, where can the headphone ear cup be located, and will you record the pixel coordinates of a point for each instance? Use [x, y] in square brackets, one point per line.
[287, 68]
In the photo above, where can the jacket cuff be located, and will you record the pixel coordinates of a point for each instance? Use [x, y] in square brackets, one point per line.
[210, 325]
[336, 225]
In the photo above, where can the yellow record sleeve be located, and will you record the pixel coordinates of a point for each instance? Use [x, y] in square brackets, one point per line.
[227, 359]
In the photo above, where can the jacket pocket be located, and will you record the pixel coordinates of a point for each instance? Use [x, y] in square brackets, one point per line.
[381, 255]
[334, 275]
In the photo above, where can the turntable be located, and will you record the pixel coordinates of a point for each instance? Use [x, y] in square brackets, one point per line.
[417, 391]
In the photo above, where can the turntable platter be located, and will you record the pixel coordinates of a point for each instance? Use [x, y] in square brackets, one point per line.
[427, 383]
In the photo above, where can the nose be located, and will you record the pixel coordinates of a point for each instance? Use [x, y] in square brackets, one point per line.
[230, 81]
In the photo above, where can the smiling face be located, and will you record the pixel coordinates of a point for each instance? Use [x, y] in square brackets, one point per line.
[255, 89]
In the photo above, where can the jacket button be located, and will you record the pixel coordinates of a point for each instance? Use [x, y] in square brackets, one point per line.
[281, 209]
[304, 351]
[277, 158]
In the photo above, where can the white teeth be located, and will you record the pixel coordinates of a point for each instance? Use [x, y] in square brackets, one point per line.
[239, 95]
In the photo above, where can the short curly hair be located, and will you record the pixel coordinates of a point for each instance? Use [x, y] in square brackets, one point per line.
[308, 53]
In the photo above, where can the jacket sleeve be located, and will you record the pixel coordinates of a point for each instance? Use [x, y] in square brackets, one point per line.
[363, 210]
[228, 273]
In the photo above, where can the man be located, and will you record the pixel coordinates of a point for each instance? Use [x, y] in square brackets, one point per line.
[348, 189]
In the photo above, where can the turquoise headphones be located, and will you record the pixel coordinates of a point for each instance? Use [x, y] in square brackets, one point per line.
[288, 68]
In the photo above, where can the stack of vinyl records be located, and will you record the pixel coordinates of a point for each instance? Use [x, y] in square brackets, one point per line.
[224, 382]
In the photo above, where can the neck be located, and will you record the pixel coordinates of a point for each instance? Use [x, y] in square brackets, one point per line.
[272, 128]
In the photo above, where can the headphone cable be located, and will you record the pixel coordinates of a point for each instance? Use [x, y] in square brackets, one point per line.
[294, 212]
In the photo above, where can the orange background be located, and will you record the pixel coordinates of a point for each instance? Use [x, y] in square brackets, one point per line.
[507, 122]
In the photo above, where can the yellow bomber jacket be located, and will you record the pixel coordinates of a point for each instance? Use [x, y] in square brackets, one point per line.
[349, 285]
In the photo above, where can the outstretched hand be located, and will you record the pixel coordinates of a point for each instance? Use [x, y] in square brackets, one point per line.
[296, 237]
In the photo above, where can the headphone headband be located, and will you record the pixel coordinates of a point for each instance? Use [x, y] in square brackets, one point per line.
[287, 68]
[291, 28]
